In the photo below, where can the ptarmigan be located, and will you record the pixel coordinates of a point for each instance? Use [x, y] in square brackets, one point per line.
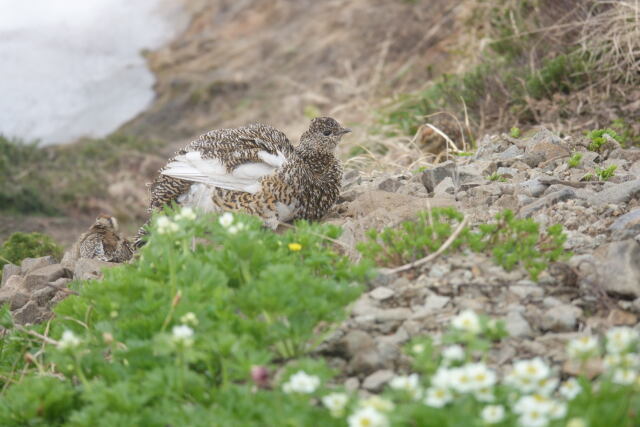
[255, 169]
[102, 242]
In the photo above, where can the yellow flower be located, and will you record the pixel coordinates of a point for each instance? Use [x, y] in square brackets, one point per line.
[295, 246]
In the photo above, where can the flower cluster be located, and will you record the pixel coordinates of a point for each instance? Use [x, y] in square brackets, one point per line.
[186, 214]
[301, 382]
[165, 225]
[227, 221]
[68, 341]
[183, 335]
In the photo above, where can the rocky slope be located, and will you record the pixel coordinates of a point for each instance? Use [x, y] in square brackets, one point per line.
[596, 288]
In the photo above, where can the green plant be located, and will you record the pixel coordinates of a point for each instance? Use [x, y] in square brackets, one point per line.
[512, 241]
[604, 174]
[574, 160]
[599, 137]
[515, 132]
[496, 177]
[27, 245]
[452, 384]
[564, 73]
[171, 339]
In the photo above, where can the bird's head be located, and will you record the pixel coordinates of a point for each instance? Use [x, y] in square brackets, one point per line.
[107, 222]
[324, 134]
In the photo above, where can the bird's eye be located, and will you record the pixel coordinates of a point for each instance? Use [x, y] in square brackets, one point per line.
[326, 133]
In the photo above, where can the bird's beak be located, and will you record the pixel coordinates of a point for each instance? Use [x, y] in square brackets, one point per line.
[344, 130]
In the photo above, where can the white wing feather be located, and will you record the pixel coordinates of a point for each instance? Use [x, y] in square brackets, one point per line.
[192, 167]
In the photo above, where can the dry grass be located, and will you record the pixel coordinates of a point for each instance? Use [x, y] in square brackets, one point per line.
[611, 39]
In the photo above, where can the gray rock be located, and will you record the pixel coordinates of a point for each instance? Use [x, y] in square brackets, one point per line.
[489, 145]
[625, 227]
[561, 318]
[435, 302]
[30, 264]
[14, 285]
[390, 184]
[618, 267]
[525, 290]
[459, 175]
[507, 172]
[376, 381]
[29, 314]
[616, 193]
[510, 153]
[391, 314]
[87, 269]
[517, 325]
[381, 293]
[43, 296]
[352, 384]
[366, 362]
[357, 341]
[445, 187]
[548, 144]
[546, 201]
[39, 278]
[9, 270]
[18, 300]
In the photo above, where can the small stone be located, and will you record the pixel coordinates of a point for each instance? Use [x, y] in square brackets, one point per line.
[618, 267]
[561, 318]
[616, 193]
[390, 184]
[381, 293]
[38, 278]
[9, 270]
[28, 314]
[391, 314]
[619, 317]
[625, 227]
[30, 264]
[546, 201]
[446, 186]
[507, 172]
[435, 302]
[44, 295]
[527, 290]
[352, 384]
[14, 285]
[376, 381]
[517, 325]
[88, 269]
[19, 300]
[365, 362]
[357, 341]
[533, 187]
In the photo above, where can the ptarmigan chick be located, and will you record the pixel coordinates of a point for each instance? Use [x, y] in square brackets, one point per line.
[102, 242]
[255, 169]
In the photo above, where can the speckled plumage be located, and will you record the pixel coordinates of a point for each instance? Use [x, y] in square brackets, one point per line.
[255, 169]
[102, 242]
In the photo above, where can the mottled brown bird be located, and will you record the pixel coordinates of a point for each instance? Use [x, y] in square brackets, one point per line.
[102, 242]
[255, 169]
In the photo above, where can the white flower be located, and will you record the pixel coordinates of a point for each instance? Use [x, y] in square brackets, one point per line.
[570, 389]
[377, 403]
[484, 395]
[467, 321]
[301, 382]
[166, 226]
[234, 229]
[437, 397]
[453, 353]
[460, 380]
[182, 334]
[492, 414]
[533, 418]
[226, 219]
[189, 319]
[335, 403]
[409, 384]
[624, 376]
[68, 341]
[583, 347]
[367, 417]
[527, 375]
[186, 213]
[442, 378]
[546, 386]
[417, 348]
[481, 376]
[533, 402]
[628, 361]
[620, 339]
[558, 410]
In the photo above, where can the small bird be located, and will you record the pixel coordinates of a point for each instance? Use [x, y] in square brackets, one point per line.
[102, 242]
[255, 169]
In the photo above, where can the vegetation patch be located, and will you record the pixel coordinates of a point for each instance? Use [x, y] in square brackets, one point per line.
[27, 245]
[512, 242]
[172, 338]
